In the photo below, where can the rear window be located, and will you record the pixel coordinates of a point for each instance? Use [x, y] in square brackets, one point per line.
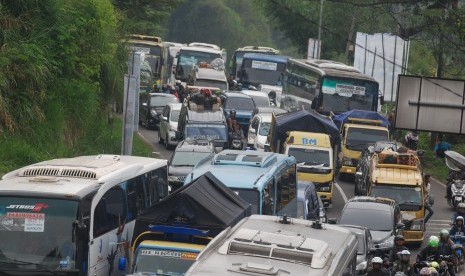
[239, 103]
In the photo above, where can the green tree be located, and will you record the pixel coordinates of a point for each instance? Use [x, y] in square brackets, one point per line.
[227, 23]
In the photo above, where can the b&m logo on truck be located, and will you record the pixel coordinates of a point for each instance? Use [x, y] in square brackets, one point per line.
[309, 141]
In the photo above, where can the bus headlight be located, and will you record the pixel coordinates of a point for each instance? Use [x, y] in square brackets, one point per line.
[346, 161]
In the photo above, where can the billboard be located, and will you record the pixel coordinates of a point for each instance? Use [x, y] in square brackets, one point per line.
[313, 49]
[430, 104]
[382, 56]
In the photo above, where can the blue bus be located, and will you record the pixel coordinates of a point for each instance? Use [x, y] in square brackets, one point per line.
[261, 69]
[267, 180]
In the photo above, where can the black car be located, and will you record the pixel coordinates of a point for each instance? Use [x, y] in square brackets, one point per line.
[362, 173]
[381, 216]
[186, 155]
[365, 247]
[151, 108]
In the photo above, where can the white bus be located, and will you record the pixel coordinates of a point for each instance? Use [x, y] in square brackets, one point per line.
[75, 216]
[328, 87]
[267, 245]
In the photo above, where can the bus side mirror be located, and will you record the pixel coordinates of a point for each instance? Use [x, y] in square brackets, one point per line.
[381, 100]
[313, 105]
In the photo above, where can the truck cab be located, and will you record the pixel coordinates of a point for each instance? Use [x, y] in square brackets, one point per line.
[355, 135]
[399, 176]
[315, 160]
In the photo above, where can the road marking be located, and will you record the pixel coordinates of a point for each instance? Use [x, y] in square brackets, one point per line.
[344, 197]
[151, 145]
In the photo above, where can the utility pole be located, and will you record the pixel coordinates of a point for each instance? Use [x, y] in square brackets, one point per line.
[319, 29]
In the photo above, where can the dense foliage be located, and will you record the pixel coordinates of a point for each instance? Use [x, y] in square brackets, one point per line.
[61, 67]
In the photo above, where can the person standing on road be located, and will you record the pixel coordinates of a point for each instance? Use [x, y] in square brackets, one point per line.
[427, 190]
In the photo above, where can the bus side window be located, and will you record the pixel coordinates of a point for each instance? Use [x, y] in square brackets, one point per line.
[110, 212]
[136, 197]
[268, 198]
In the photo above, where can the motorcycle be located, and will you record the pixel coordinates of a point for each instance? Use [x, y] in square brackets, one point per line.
[458, 192]
[443, 261]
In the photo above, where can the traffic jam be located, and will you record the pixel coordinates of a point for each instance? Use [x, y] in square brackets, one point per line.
[266, 165]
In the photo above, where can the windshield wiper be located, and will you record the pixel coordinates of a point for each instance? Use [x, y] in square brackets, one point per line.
[13, 261]
[410, 203]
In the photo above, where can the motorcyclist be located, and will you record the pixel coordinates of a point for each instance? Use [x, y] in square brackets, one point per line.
[376, 268]
[411, 140]
[399, 245]
[238, 134]
[460, 211]
[232, 119]
[458, 227]
[445, 248]
[425, 271]
[403, 264]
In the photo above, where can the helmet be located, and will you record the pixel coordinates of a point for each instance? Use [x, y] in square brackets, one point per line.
[399, 273]
[405, 252]
[376, 260]
[435, 264]
[433, 271]
[459, 218]
[433, 243]
[399, 238]
[443, 233]
[232, 113]
[425, 271]
[433, 238]
[461, 205]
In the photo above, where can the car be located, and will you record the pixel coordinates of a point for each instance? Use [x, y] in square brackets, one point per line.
[265, 109]
[365, 247]
[242, 104]
[260, 98]
[381, 216]
[309, 202]
[151, 108]
[186, 155]
[203, 125]
[169, 125]
[258, 131]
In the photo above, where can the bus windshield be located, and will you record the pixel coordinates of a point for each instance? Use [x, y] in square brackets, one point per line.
[164, 262]
[341, 95]
[188, 58]
[358, 138]
[256, 72]
[408, 198]
[37, 231]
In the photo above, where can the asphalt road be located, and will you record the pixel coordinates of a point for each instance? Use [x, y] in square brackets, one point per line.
[344, 191]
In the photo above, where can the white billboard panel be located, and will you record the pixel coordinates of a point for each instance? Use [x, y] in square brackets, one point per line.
[430, 104]
[313, 50]
[382, 56]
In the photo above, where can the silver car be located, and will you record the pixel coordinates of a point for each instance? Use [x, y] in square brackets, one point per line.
[169, 125]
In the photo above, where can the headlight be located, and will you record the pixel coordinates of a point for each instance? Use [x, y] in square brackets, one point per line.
[417, 224]
[386, 244]
[361, 266]
[346, 161]
[153, 113]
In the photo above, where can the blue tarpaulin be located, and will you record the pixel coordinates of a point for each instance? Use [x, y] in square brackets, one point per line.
[343, 118]
[302, 120]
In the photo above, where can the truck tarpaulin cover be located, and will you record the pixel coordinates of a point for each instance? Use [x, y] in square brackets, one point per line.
[343, 118]
[302, 120]
[206, 204]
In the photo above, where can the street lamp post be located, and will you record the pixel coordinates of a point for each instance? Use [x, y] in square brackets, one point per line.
[319, 28]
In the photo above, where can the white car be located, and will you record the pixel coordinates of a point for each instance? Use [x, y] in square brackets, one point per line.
[259, 97]
[169, 125]
[258, 131]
